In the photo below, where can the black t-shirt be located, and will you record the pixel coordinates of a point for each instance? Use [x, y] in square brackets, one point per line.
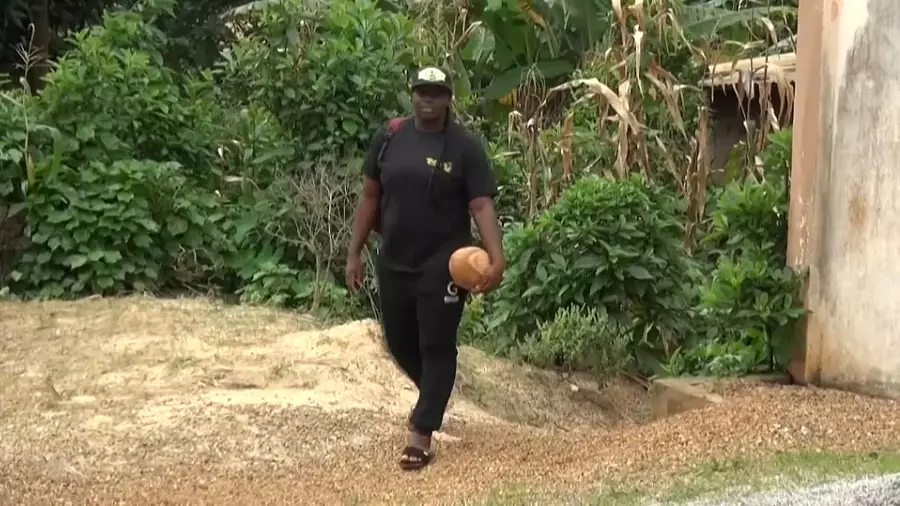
[427, 181]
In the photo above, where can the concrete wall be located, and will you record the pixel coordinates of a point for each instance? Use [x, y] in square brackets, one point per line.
[845, 195]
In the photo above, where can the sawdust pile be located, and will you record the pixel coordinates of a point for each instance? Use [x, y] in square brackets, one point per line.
[203, 352]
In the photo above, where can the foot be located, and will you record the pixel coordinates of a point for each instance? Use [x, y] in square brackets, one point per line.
[417, 453]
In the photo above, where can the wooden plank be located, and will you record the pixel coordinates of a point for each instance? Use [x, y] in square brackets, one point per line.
[729, 73]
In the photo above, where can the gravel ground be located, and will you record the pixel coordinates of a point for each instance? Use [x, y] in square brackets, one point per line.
[125, 402]
[879, 491]
[272, 455]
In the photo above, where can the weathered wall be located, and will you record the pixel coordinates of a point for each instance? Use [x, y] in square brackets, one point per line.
[845, 218]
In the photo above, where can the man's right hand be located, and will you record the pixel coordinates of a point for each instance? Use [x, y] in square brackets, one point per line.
[355, 273]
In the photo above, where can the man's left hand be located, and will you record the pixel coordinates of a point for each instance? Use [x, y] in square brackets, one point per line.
[491, 280]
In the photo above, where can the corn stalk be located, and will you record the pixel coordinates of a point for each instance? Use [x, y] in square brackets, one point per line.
[640, 98]
[649, 112]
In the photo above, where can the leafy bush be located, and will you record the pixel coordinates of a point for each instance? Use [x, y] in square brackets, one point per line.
[472, 330]
[604, 244]
[748, 306]
[14, 142]
[313, 86]
[776, 156]
[24, 142]
[111, 228]
[257, 151]
[580, 339]
[113, 96]
[512, 195]
[302, 222]
[750, 299]
[332, 77]
[270, 281]
[749, 217]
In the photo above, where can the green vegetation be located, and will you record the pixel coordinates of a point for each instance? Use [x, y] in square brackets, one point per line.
[717, 479]
[231, 169]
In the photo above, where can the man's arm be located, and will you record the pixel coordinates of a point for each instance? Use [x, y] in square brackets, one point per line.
[370, 200]
[485, 214]
[365, 215]
[481, 187]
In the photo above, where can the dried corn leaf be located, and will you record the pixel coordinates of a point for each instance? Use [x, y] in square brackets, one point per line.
[770, 27]
[644, 160]
[620, 17]
[638, 10]
[565, 146]
[638, 40]
[624, 103]
[670, 97]
[527, 6]
[616, 101]
[671, 166]
[622, 151]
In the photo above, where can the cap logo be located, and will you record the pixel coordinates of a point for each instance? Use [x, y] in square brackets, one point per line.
[432, 74]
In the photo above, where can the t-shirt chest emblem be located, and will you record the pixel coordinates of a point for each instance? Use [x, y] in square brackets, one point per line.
[447, 167]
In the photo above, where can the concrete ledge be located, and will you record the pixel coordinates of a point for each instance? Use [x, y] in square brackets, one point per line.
[797, 371]
[670, 396]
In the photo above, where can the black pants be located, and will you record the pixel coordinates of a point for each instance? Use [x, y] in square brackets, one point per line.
[420, 316]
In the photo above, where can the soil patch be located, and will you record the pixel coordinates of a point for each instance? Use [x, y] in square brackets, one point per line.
[144, 401]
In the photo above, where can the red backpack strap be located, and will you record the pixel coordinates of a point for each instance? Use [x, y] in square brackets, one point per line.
[396, 123]
[393, 126]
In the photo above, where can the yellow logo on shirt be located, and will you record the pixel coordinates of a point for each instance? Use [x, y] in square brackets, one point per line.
[447, 167]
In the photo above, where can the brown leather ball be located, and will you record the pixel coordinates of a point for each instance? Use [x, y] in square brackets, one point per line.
[468, 266]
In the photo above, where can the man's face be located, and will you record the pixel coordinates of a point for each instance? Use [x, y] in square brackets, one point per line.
[430, 102]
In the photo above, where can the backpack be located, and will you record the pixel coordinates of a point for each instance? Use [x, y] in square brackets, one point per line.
[393, 126]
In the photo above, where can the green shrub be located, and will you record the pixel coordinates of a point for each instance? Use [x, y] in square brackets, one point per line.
[776, 157]
[512, 195]
[194, 226]
[27, 147]
[14, 143]
[331, 77]
[580, 339]
[749, 217]
[313, 85]
[749, 307]
[749, 300]
[111, 228]
[605, 244]
[471, 327]
[113, 96]
[257, 151]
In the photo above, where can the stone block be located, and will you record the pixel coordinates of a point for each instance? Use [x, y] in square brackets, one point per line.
[670, 396]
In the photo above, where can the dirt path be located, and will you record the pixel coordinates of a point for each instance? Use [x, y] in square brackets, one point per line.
[135, 401]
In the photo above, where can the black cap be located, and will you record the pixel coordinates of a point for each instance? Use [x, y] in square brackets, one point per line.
[432, 76]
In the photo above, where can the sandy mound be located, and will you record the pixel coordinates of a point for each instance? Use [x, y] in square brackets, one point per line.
[348, 367]
[171, 354]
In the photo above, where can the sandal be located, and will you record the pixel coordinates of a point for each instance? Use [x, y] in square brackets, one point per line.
[414, 459]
